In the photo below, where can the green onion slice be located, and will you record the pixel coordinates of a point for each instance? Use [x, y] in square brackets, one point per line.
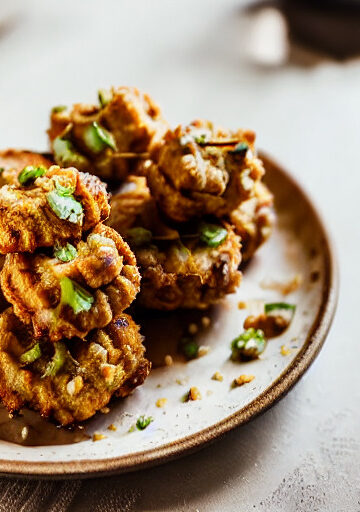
[75, 296]
[189, 348]
[31, 355]
[97, 138]
[57, 361]
[64, 204]
[143, 422]
[66, 155]
[248, 345]
[212, 235]
[58, 108]
[30, 173]
[240, 148]
[65, 253]
[104, 97]
[282, 309]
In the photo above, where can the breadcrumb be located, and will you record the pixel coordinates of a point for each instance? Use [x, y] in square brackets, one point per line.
[105, 410]
[193, 328]
[98, 437]
[243, 379]
[206, 321]
[112, 427]
[284, 350]
[168, 360]
[242, 305]
[194, 394]
[217, 376]
[203, 350]
[161, 402]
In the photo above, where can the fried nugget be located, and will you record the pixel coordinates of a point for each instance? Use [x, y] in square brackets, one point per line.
[69, 381]
[80, 288]
[13, 161]
[187, 273]
[93, 138]
[202, 170]
[58, 206]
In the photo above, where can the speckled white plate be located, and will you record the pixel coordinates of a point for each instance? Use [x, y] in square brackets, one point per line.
[299, 247]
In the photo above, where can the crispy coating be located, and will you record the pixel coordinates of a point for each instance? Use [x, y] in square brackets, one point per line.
[134, 120]
[110, 363]
[13, 161]
[177, 271]
[104, 266]
[188, 274]
[27, 221]
[198, 172]
[253, 220]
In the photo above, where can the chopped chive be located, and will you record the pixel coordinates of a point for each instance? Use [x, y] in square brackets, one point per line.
[240, 149]
[143, 422]
[64, 204]
[30, 173]
[189, 348]
[96, 138]
[58, 108]
[278, 306]
[31, 355]
[249, 345]
[104, 97]
[57, 361]
[66, 155]
[75, 296]
[212, 234]
[65, 253]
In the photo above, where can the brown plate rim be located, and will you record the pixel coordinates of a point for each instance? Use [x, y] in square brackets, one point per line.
[191, 443]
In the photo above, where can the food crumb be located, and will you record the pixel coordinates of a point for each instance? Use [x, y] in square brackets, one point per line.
[243, 379]
[182, 382]
[205, 320]
[217, 376]
[112, 427]
[168, 360]
[284, 350]
[161, 402]
[242, 305]
[194, 394]
[158, 385]
[203, 350]
[98, 437]
[24, 433]
[193, 328]
[314, 276]
[105, 410]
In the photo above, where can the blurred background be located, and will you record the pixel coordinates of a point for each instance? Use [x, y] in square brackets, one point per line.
[288, 70]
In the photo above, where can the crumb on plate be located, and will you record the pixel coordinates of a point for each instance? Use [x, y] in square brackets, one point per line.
[161, 402]
[217, 376]
[243, 379]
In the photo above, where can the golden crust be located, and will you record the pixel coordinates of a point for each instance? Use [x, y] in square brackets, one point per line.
[134, 120]
[110, 363]
[27, 221]
[190, 179]
[105, 266]
[12, 161]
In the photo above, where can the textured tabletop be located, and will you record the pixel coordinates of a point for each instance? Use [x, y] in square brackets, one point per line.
[304, 454]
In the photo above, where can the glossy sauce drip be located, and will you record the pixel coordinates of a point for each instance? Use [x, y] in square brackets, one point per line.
[30, 429]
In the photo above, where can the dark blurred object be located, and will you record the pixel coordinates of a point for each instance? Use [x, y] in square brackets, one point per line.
[331, 26]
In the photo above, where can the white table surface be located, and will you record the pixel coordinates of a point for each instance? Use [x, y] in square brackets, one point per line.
[304, 454]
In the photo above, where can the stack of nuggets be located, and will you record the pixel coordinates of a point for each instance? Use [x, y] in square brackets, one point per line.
[66, 345]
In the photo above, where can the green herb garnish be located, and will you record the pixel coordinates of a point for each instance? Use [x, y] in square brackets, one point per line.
[200, 139]
[212, 235]
[139, 236]
[65, 253]
[239, 149]
[189, 348]
[30, 173]
[58, 108]
[75, 296]
[57, 361]
[279, 306]
[2, 169]
[97, 138]
[249, 345]
[64, 204]
[66, 155]
[31, 355]
[104, 97]
[143, 422]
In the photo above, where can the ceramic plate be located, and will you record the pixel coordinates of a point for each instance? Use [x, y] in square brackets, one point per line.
[299, 255]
